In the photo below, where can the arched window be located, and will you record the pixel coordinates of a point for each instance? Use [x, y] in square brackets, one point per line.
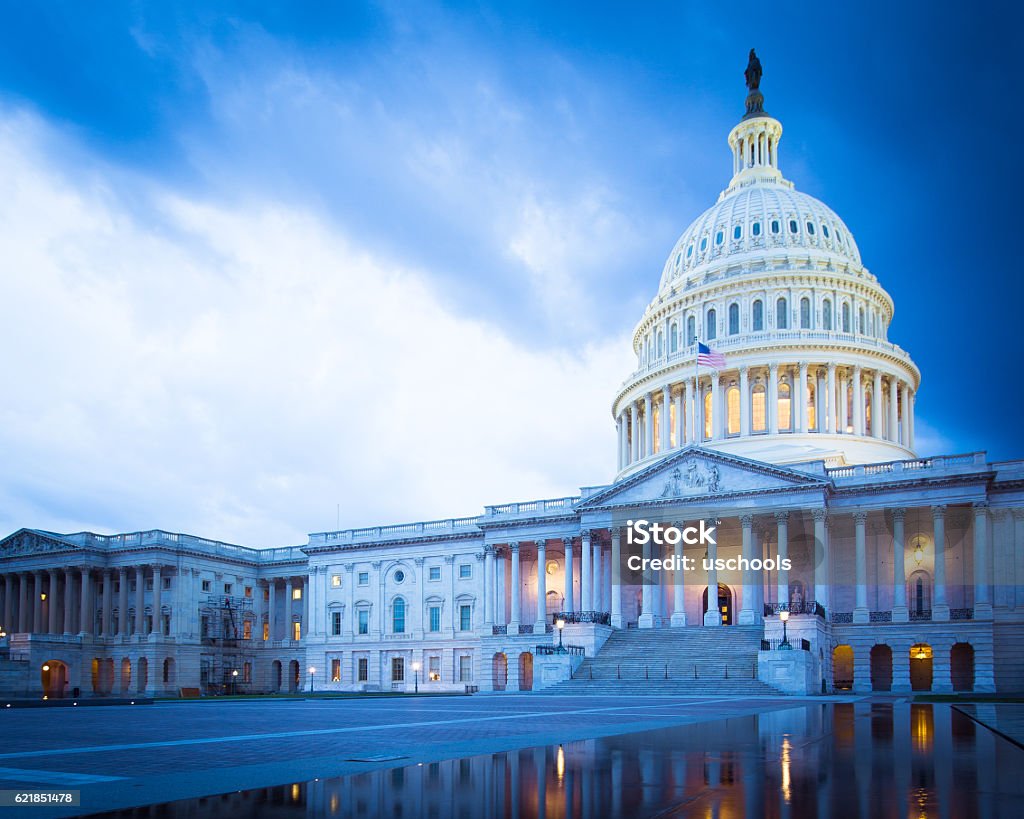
[805, 313]
[719, 237]
[661, 343]
[826, 314]
[781, 314]
[703, 243]
[785, 406]
[920, 588]
[691, 330]
[775, 225]
[732, 401]
[867, 412]
[755, 229]
[793, 226]
[758, 404]
[812, 420]
[734, 319]
[846, 317]
[757, 315]
[673, 337]
[708, 407]
[860, 321]
[711, 328]
[398, 616]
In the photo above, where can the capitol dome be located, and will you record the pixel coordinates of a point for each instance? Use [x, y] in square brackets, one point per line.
[771, 279]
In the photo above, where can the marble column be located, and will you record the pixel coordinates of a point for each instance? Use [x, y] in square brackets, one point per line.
[678, 584]
[716, 407]
[570, 596]
[845, 425]
[876, 405]
[677, 425]
[634, 437]
[515, 591]
[982, 597]
[904, 435]
[24, 615]
[782, 533]
[289, 590]
[773, 400]
[488, 588]
[616, 576]
[900, 614]
[860, 610]
[646, 619]
[713, 617]
[37, 603]
[542, 588]
[858, 402]
[85, 621]
[747, 550]
[140, 600]
[940, 608]
[8, 623]
[53, 607]
[272, 607]
[819, 401]
[586, 574]
[801, 398]
[832, 422]
[894, 426]
[648, 425]
[597, 588]
[122, 602]
[822, 578]
[158, 626]
[665, 422]
[108, 604]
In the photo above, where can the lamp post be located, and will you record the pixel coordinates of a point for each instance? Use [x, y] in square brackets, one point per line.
[560, 624]
[234, 681]
[416, 673]
[784, 617]
[312, 671]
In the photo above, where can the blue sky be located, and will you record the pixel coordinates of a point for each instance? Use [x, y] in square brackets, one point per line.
[266, 260]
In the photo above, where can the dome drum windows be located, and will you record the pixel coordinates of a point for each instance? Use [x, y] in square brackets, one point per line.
[719, 237]
[737, 232]
[781, 314]
[757, 316]
[734, 319]
[775, 227]
[703, 243]
[826, 314]
[805, 313]
[755, 229]
[711, 326]
[793, 226]
[810, 228]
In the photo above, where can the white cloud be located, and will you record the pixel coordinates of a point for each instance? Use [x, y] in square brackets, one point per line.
[236, 371]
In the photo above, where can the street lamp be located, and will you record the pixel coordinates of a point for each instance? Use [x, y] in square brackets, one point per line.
[784, 617]
[312, 671]
[416, 672]
[560, 624]
[234, 681]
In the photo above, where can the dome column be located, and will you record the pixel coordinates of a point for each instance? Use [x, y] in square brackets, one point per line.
[664, 422]
[894, 427]
[876, 406]
[832, 425]
[802, 398]
[648, 426]
[819, 400]
[773, 399]
[904, 436]
[634, 436]
[744, 401]
[844, 403]
[910, 417]
[858, 401]
[680, 402]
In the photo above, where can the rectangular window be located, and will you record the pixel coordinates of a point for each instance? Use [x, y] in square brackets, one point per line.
[227, 588]
[247, 630]
[165, 625]
[364, 621]
[296, 631]
[206, 586]
[335, 670]
[434, 669]
[131, 586]
[335, 623]
[335, 581]
[363, 673]
[117, 586]
[435, 618]
[364, 579]
[435, 572]
[248, 591]
[167, 582]
[149, 584]
[465, 669]
[465, 571]
[266, 594]
[297, 593]
[266, 631]
[247, 673]
[465, 617]
[397, 669]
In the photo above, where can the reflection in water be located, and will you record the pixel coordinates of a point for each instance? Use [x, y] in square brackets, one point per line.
[863, 759]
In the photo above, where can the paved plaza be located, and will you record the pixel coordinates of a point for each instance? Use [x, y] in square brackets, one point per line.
[124, 756]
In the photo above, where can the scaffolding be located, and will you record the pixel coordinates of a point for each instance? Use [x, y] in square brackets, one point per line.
[226, 664]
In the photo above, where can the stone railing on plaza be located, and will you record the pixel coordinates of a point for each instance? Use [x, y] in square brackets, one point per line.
[399, 531]
[872, 472]
[812, 607]
[924, 615]
[603, 618]
[176, 540]
[534, 508]
[576, 651]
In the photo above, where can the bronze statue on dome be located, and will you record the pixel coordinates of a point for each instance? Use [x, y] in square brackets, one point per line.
[753, 72]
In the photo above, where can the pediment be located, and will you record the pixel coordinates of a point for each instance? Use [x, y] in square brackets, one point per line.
[33, 542]
[697, 475]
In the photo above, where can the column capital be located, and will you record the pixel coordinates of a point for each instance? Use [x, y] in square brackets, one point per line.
[488, 548]
[567, 542]
[860, 517]
[773, 367]
[418, 561]
[747, 521]
[939, 511]
[480, 556]
[1018, 514]
[513, 546]
[899, 513]
[980, 506]
[782, 517]
[585, 534]
[820, 515]
[542, 543]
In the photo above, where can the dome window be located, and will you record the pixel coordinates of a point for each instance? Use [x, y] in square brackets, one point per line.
[781, 314]
[689, 252]
[793, 226]
[810, 228]
[755, 229]
[757, 316]
[711, 328]
[826, 314]
[734, 319]
[703, 244]
[775, 226]
[737, 232]
[719, 237]
[805, 313]
[824, 230]
[679, 258]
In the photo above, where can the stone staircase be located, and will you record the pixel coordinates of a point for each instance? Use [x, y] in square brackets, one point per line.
[673, 662]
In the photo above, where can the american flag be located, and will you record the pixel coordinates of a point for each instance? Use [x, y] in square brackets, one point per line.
[709, 357]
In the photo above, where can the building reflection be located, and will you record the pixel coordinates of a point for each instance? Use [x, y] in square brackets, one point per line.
[859, 759]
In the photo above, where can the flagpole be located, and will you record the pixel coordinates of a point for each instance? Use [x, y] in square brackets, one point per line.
[696, 389]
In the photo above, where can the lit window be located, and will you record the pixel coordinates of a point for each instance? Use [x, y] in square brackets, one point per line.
[867, 412]
[784, 406]
[757, 316]
[248, 591]
[781, 314]
[719, 237]
[793, 226]
[775, 226]
[810, 228]
[297, 593]
[266, 631]
[734, 319]
[758, 405]
[465, 617]
[737, 232]
[805, 313]
[465, 571]
[364, 579]
[247, 629]
[335, 670]
[435, 572]
[711, 327]
[755, 229]
[336, 623]
[398, 616]
[435, 618]
[708, 406]
[812, 422]
[733, 404]
[296, 630]
[336, 581]
[364, 621]
[434, 669]
[363, 669]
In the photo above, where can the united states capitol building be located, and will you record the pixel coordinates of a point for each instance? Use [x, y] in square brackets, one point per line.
[906, 573]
